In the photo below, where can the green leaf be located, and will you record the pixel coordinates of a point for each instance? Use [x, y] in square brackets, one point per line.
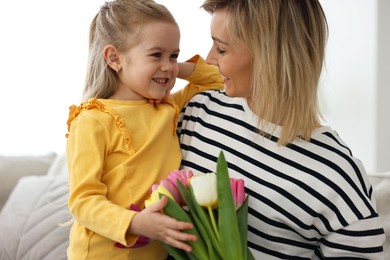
[205, 237]
[177, 253]
[189, 201]
[185, 195]
[200, 218]
[191, 256]
[242, 220]
[213, 255]
[174, 210]
[249, 255]
[227, 220]
[204, 218]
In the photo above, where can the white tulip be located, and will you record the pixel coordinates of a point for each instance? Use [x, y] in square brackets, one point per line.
[204, 187]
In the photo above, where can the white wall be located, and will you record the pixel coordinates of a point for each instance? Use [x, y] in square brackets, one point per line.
[44, 52]
[349, 87]
[356, 85]
[383, 94]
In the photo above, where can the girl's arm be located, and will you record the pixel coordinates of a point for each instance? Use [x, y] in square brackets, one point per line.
[200, 76]
[186, 69]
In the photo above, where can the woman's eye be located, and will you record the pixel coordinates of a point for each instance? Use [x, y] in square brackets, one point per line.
[220, 51]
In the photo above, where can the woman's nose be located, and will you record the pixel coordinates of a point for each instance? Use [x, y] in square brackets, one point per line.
[210, 59]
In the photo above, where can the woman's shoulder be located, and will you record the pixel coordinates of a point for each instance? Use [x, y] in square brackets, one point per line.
[335, 160]
[329, 139]
[217, 99]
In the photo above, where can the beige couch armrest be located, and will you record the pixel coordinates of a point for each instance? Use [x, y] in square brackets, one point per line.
[12, 168]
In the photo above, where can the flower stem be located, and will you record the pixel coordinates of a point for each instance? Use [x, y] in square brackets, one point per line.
[213, 222]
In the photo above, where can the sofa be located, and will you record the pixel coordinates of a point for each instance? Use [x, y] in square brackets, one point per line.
[34, 220]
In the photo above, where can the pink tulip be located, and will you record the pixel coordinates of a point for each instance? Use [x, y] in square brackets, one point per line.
[238, 192]
[182, 175]
[154, 187]
[172, 188]
[170, 184]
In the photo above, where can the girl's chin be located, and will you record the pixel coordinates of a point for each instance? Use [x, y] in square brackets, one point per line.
[158, 94]
[157, 97]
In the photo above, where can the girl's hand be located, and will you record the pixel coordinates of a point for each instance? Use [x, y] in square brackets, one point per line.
[151, 223]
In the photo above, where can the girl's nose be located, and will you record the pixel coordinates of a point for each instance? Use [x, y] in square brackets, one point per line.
[167, 65]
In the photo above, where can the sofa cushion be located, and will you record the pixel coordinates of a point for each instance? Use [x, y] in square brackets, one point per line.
[12, 168]
[59, 166]
[30, 221]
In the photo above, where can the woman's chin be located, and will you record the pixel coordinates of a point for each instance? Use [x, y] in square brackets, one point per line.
[230, 92]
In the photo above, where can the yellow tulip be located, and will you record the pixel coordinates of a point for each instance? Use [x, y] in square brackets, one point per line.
[154, 197]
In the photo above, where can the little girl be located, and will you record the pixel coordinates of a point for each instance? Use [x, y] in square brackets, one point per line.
[122, 138]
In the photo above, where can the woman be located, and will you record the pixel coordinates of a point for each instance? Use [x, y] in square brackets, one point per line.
[309, 197]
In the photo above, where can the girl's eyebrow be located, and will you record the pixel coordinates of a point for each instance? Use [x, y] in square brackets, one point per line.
[161, 49]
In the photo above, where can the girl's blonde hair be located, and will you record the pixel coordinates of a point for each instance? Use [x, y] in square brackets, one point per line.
[287, 40]
[117, 23]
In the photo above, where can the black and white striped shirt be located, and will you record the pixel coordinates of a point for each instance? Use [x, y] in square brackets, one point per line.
[308, 200]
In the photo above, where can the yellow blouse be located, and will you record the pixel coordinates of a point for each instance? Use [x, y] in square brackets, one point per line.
[116, 150]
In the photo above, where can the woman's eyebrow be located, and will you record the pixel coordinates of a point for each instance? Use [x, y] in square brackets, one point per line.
[219, 40]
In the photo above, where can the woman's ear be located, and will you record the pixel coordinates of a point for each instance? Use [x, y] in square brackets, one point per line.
[112, 58]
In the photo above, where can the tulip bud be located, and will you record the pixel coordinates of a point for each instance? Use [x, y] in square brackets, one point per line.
[154, 197]
[204, 187]
[238, 192]
[166, 183]
[181, 175]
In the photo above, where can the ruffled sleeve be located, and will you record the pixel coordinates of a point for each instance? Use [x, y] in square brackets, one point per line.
[74, 111]
[93, 103]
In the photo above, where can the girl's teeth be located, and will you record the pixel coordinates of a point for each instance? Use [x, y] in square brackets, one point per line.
[160, 80]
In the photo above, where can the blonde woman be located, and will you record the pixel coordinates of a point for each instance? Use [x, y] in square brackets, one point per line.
[309, 197]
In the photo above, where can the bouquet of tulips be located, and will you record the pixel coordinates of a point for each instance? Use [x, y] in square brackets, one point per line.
[217, 206]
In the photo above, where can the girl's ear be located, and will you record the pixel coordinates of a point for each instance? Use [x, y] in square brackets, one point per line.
[112, 58]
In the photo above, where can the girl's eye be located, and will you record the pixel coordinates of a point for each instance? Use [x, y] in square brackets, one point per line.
[174, 56]
[157, 54]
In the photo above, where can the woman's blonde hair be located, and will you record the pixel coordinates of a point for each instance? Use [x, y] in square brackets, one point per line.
[116, 23]
[287, 40]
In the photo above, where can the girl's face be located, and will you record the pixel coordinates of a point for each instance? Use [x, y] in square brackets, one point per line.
[149, 68]
[232, 58]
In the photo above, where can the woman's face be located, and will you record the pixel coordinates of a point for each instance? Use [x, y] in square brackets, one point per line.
[232, 58]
